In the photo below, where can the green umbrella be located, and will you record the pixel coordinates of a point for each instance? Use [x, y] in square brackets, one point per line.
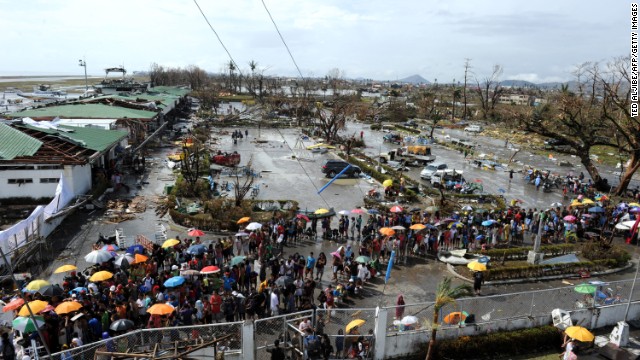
[363, 259]
[481, 211]
[237, 260]
[25, 324]
[585, 288]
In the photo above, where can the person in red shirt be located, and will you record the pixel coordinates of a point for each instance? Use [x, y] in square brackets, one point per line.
[216, 302]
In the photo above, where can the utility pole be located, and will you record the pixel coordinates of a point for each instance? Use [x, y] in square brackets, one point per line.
[83, 63]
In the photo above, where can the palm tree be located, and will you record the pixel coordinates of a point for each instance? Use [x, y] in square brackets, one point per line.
[457, 94]
[445, 295]
[232, 68]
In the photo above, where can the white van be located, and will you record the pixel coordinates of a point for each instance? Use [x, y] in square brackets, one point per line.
[431, 169]
[473, 128]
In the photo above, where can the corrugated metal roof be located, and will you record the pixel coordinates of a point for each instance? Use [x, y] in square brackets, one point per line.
[14, 143]
[88, 137]
[86, 111]
[171, 90]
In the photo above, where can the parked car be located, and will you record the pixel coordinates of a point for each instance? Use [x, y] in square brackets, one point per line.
[556, 144]
[411, 123]
[392, 138]
[474, 128]
[332, 168]
[431, 169]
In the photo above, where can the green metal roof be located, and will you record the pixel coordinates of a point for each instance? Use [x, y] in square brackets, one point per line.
[88, 137]
[171, 90]
[86, 111]
[14, 143]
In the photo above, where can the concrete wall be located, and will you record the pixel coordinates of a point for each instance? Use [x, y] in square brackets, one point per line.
[78, 177]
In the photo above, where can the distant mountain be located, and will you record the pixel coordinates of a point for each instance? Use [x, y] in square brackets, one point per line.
[518, 83]
[414, 79]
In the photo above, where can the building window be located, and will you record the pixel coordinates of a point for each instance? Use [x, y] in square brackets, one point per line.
[49, 180]
[20, 181]
[50, 167]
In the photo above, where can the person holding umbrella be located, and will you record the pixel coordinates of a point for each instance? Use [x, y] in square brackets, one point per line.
[478, 280]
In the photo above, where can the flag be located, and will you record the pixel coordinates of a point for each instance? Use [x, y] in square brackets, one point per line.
[390, 266]
[634, 230]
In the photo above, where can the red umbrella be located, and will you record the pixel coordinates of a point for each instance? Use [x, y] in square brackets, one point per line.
[210, 270]
[396, 209]
[569, 218]
[14, 304]
[302, 216]
[196, 232]
[478, 180]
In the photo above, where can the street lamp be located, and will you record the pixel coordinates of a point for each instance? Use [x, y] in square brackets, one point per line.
[83, 63]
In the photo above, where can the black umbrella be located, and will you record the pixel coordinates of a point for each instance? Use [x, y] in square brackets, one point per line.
[51, 290]
[284, 281]
[121, 325]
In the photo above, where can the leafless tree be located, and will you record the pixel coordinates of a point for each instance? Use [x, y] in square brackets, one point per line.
[332, 120]
[489, 91]
[191, 163]
[243, 184]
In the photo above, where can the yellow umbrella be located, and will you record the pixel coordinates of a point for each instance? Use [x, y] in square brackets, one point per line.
[321, 145]
[36, 306]
[387, 231]
[417, 227]
[244, 220]
[65, 268]
[586, 201]
[139, 258]
[170, 243]
[35, 285]
[101, 276]
[67, 307]
[576, 203]
[579, 333]
[160, 309]
[634, 204]
[321, 211]
[476, 266]
[387, 183]
[353, 324]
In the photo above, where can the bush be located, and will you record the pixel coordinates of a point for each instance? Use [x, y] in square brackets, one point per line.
[376, 127]
[595, 250]
[407, 129]
[497, 344]
[537, 271]
[520, 253]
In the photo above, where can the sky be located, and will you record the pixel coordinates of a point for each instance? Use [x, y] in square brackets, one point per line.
[538, 41]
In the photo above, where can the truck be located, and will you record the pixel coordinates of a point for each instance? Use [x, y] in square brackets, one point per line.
[419, 155]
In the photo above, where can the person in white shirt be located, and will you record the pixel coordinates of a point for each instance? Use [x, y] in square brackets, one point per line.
[275, 302]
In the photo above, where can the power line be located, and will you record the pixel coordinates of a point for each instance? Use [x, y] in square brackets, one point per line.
[217, 36]
[282, 38]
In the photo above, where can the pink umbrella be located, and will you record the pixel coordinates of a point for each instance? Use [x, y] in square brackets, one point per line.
[302, 216]
[358, 211]
[336, 254]
[569, 218]
[634, 209]
[396, 209]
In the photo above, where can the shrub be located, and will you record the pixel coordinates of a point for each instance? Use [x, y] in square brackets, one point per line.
[498, 344]
[595, 250]
[407, 129]
[376, 127]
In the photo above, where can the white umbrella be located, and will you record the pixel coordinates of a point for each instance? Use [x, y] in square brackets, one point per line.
[344, 212]
[242, 234]
[408, 320]
[254, 226]
[127, 259]
[625, 225]
[98, 256]
[467, 208]
[556, 205]
[398, 227]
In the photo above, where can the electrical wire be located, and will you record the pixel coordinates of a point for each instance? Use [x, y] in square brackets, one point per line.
[218, 37]
[283, 41]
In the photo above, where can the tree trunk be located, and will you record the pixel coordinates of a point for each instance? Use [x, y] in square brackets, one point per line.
[634, 165]
[593, 171]
[434, 331]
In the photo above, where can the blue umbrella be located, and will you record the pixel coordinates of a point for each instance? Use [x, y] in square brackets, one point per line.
[596, 209]
[174, 282]
[431, 227]
[373, 211]
[479, 237]
[488, 222]
[483, 260]
[79, 290]
[601, 295]
[198, 249]
[135, 249]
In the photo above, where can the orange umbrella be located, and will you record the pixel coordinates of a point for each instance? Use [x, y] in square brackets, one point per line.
[455, 317]
[13, 305]
[244, 220]
[139, 258]
[68, 307]
[417, 227]
[160, 309]
[387, 231]
[36, 306]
